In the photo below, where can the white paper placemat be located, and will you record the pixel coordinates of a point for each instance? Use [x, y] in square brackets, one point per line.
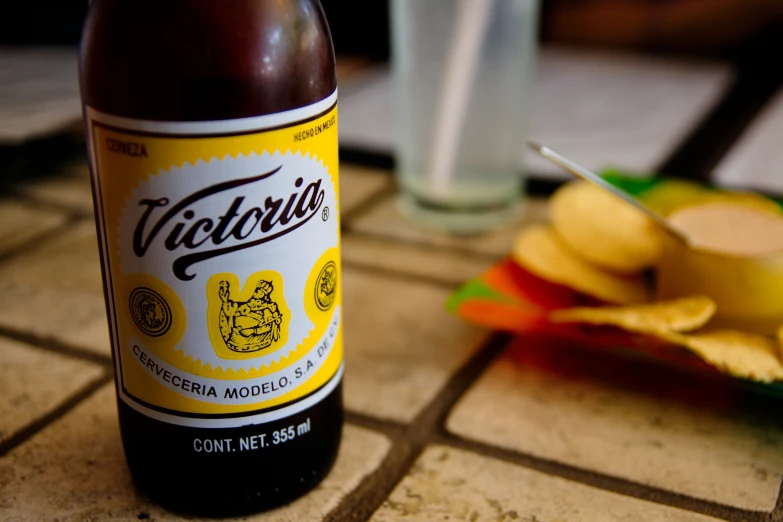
[39, 92]
[756, 159]
[600, 109]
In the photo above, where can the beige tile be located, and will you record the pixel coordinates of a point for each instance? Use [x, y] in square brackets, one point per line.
[386, 220]
[55, 291]
[21, 222]
[677, 431]
[401, 344]
[449, 267]
[357, 184]
[450, 484]
[34, 381]
[69, 188]
[39, 87]
[599, 108]
[75, 470]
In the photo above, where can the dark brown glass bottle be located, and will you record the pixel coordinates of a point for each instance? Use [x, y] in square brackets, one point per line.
[202, 61]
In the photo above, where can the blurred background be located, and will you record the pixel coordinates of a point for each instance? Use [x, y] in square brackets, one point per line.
[672, 86]
[732, 29]
[738, 30]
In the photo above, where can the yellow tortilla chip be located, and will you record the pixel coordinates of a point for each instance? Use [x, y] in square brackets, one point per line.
[540, 251]
[679, 315]
[742, 354]
[780, 342]
[603, 229]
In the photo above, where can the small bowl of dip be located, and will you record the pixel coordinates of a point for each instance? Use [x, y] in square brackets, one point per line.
[735, 257]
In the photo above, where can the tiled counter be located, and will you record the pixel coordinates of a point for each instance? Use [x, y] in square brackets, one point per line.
[446, 421]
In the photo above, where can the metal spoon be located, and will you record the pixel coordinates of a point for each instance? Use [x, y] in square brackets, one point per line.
[596, 180]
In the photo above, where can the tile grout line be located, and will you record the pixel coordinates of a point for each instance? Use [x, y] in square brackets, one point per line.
[360, 503]
[388, 427]
[382, 161]
[392, 240]
[30, 244]
[601, 481]
[55, 346]
[408, 441]
[742, 101]
[58, 412]
[675, 163]
[44, 204]
[480, 256]
[537, 183]
[390, 273]
[368, 203]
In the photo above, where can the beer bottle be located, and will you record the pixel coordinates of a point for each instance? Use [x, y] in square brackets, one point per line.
[212, 129]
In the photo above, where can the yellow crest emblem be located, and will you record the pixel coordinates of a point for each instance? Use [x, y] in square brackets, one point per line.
[246, 322]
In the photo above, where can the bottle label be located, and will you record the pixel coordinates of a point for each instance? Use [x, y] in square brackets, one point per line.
[221, 250]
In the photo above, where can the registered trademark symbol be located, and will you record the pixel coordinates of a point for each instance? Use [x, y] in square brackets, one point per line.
[325, 213]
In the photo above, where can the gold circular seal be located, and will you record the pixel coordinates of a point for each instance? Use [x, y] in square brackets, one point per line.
[150, 311]
[326, 286]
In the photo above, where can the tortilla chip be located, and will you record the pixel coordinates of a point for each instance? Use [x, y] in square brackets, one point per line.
[603, 229]
[742, 354]
[679, 315]
[538, 249]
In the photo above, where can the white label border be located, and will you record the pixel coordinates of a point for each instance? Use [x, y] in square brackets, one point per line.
[194, 129]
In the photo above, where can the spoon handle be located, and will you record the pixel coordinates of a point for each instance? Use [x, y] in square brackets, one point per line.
[595, 179]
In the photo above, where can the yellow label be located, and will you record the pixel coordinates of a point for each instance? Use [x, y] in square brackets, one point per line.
[221, 247]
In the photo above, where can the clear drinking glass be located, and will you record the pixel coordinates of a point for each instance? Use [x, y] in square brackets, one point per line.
[462, 72]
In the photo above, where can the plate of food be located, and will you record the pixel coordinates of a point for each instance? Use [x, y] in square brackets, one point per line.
[604, 274]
